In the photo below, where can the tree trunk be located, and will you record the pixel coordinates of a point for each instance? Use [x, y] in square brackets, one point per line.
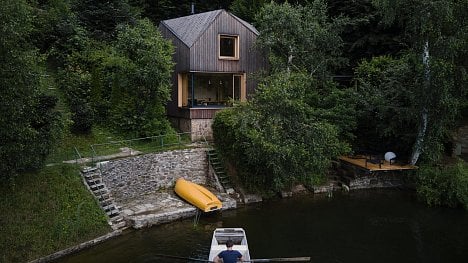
[418, 145]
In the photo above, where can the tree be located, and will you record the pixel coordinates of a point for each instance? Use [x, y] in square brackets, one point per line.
[247, 9]
[139, 70]
[158, 10]
[365, 36]
[101, 17]
[437, 31]
[390, 102]
[276, 146]
[28, 118]
[300, 37]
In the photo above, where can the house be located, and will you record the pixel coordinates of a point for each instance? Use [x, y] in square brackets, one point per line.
[215, 58]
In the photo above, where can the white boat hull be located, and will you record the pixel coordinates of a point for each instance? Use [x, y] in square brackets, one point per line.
[221, 235]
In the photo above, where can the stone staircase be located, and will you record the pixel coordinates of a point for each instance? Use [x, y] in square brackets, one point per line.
[219, 170]
[93, 180]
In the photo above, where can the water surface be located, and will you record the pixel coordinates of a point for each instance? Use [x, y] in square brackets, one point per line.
[360, 226]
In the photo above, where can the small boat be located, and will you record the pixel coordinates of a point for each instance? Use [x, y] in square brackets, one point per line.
[197, 195]
[222, 235]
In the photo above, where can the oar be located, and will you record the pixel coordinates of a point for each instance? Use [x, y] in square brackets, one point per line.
[295, 259]
[185, 258]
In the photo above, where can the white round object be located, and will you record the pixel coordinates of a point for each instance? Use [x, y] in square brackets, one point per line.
[389, 156]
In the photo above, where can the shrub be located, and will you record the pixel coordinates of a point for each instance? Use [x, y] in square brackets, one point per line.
[444, 185]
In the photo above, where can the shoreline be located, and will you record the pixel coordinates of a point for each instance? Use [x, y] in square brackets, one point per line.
[140, 208]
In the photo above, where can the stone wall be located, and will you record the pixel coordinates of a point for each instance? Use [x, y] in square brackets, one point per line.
[201, 127]
[378, 181]
[131, 178]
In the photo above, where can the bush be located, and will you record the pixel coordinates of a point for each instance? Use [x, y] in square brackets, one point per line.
[444, 185]
[275, 146]
[76, 85]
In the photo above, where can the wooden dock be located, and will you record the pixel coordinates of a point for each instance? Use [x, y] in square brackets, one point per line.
[374, 165]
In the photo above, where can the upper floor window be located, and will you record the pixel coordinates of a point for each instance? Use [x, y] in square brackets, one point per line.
[228, 47]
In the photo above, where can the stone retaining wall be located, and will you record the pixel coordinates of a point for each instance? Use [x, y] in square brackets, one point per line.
[378, 181]
[130, 178]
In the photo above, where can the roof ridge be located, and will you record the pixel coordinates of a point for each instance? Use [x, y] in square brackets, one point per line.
[189, 29]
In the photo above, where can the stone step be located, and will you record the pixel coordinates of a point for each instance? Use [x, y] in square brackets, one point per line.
[94, 181]
[100, 191]
[88, 169]
[119, 225]
[97, 186]
[109, 207]
[104, 197]
[113, 213]
[106, 201]
[91, 175]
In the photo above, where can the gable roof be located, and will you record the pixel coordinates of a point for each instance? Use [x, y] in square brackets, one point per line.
[189, 28]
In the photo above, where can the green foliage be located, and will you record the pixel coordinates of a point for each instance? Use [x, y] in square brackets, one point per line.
[300, 38]
[247, 9]
[28, 118]
[46, 212]
[124, 84]
[139, 71]
[278, 139]
[365, 36]
[390, 94]
[101, 17]
[158, 10]
[444, 185]
[76, 84]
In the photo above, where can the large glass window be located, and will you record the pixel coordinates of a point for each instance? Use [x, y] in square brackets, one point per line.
[210, 90]
[228, 47]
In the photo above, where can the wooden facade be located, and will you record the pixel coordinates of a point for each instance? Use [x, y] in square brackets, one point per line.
[198, 62]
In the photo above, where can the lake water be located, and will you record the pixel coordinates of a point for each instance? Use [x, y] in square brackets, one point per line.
[360, 226]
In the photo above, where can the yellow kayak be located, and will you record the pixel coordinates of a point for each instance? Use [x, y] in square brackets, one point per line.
[197, 195]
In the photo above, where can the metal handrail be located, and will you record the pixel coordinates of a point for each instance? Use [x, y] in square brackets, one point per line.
[129, 141]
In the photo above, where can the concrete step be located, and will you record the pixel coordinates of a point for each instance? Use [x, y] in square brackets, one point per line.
[91, 175]
[94, 181]
[97, 186]
[104, 197]
[119, 225]
[101, 191]
[107, 201]
[109, 207]
[113, 213]
[88, 169]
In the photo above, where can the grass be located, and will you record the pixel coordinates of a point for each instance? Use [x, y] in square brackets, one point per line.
[66, 149]
[146, 145]
[45, 212]
[50, 210]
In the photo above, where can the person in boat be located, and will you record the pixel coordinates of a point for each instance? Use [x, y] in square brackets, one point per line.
[229, 255]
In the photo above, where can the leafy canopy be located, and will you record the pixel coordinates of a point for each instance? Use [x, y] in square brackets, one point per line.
[278, 138]
[300, 38]
[30, 124]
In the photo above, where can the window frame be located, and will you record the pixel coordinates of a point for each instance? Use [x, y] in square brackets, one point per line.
[236, 46]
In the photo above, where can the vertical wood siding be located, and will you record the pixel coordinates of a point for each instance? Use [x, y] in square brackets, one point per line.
[181, 57]
[204, 52]
[203, 57]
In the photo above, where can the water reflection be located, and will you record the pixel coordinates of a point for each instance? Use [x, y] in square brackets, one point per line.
[362, 226]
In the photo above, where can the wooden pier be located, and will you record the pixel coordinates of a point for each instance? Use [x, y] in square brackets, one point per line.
[370, 164]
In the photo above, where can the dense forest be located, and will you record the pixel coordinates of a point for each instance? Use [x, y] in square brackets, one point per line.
[374, 74]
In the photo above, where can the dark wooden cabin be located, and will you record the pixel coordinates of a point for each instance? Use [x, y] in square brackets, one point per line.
[215, 57]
